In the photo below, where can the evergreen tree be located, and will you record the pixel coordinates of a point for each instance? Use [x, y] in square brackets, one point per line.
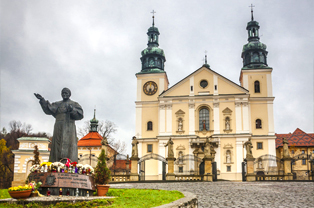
[102, 173]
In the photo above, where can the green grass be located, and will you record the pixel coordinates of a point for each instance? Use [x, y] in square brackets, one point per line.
[4, 194]
[143, 197]
[130, 198]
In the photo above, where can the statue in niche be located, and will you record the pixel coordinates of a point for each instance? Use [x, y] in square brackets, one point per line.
[180, 125]
[227, 123]
[134, 147]
[248, 146]
[170, 148]
[260, 164]
[228, 156]
[64, 140]
[285, 148]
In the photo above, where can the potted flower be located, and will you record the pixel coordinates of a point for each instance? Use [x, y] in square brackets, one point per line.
[20, 192]
[35, 186]
[102, 175]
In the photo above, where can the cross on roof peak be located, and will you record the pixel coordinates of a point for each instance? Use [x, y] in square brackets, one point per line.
[252, 18]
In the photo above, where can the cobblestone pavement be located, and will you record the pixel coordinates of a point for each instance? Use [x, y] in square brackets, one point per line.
[240, 194]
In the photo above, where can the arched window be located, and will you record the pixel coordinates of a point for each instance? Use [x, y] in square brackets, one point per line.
[258, 123]
[257, 87]
[204, 119]
[149, 126]
[247, 58]
[151, 62]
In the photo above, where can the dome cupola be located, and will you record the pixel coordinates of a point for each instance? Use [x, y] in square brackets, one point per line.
[254, 53]
[153, 58]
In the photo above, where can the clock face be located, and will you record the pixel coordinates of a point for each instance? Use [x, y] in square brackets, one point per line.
[150, 88]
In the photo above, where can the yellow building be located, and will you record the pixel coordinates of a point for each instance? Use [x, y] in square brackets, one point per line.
[24, 156]
[205, 104]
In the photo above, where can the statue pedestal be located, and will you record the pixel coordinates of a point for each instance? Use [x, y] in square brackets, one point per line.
[250, 176]
[134, 172]
[66, 181]
[287, 168]
[170, 175]
[208, 169]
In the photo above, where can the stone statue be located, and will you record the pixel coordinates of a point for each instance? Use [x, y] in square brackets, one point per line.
[170, 148]
[180, 125]
[248, 145]
[260, 164]
[212, 151]
[207, 148]
[64, 140]
[227, 124]
[228, 157]
[285, 148]
[134, 147]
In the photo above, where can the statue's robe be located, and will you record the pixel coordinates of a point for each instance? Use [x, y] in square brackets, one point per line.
[64, 140]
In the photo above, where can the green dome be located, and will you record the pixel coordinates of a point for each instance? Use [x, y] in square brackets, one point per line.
[153, 29]
[153, 50]
[253, 46]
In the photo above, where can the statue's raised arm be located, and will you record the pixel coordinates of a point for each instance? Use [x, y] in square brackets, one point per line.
[38, 96]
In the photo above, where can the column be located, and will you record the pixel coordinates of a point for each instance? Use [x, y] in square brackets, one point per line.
[138, 124]
[162, 120]
[238, 114]
[216, 119]
[169, 119]
[218, 156]
[191, 118]
[161, 152]
[245, 114]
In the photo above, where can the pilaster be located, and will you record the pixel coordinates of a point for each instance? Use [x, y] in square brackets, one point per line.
[216, 118]
[191, 118]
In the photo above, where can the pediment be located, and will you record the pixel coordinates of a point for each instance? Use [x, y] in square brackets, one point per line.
[183, 87]
[227, 111]
[180, 112]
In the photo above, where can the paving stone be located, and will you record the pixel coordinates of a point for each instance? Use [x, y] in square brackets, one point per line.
[240, 194]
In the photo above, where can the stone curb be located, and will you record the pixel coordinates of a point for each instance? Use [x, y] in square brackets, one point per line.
[189, 200]
[53, 199]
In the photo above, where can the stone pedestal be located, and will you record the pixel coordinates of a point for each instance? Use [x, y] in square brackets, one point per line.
[170, 175]
[134, 172]
[287, 168]
[250, 176]
[208, 176]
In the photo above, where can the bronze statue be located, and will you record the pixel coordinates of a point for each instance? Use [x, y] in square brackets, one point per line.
[134, 147]
[170, 148]
[64, 140]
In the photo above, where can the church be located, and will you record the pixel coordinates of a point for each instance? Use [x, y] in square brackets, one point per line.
[204, 104]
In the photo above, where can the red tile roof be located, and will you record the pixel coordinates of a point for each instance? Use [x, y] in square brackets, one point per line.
[92, 139]
[297, 138]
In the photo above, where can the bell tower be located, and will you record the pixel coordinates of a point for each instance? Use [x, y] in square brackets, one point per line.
[152, 80]
[256, 76]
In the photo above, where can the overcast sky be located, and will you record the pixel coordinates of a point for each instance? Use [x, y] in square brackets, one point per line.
[94, 48]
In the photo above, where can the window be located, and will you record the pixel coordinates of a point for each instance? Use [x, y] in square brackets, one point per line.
[149, 148]
[303, 162]
[257, 87]
[303, 151]
[204, 119]
[149, 126]
[215, 87]
[259, 145]
[180, 169]
[258, 123]
[228, 168]
[81, 155]
[203, 83]
[191, 88]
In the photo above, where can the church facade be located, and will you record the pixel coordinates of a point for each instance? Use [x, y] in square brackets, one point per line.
[205, 104]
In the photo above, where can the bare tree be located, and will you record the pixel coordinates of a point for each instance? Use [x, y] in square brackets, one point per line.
[105, 129]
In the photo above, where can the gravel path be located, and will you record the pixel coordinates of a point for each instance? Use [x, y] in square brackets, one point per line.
[240, 194]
